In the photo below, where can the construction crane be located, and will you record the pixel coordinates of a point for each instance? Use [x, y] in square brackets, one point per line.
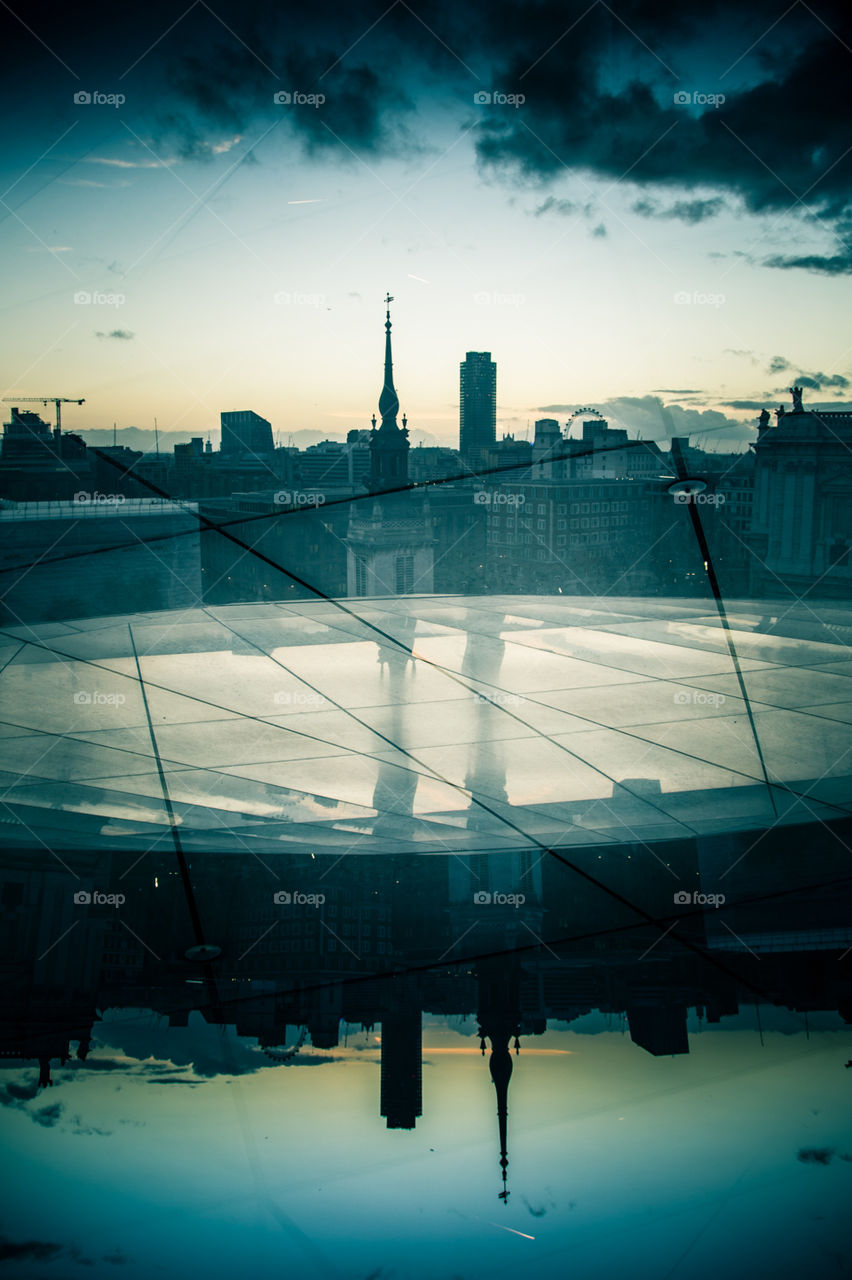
[56, 400]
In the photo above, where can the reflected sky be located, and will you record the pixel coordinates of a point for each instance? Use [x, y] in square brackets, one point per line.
[688, 1166]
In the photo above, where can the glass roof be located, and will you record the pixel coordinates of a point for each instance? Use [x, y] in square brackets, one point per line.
[425, 724]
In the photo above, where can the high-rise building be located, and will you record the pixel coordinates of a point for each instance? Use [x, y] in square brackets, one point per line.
[244, 431]
[478, 407]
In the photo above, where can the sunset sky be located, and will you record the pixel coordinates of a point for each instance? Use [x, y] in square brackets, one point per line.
[675, 263]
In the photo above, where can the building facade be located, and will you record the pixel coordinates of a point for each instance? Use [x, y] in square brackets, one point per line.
[477, 407]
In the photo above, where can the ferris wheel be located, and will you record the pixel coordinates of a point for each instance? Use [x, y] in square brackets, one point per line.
[583, 413]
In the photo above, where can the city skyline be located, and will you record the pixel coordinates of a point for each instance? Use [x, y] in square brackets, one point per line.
[231, 245]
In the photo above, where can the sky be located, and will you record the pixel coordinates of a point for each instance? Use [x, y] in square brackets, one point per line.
[684, 1165]
[650, 216]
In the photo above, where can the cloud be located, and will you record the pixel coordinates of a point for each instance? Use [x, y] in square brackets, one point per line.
[815, 1155]
[117, 163]
[28, 1250]
[814, 381]
[48, 1117]
[124, 335]
[821, 381]
[742, 353]
[552, 205]
[16, 1096]
[838, 264]
[655, 419]
[689, 211]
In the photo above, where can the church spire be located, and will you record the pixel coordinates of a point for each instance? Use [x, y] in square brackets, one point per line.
[388, 400]
[389, 445]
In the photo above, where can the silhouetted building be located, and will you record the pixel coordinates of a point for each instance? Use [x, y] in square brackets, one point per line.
[390, 544]
[477, 407]
[802, 519]
[244, 431]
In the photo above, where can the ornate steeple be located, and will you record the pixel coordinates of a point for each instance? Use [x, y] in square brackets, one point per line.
[388, 400]
[389, 444]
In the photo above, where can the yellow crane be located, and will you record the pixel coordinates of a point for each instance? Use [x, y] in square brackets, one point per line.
[56, 400]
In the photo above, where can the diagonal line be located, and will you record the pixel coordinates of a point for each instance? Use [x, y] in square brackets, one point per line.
[738, 938]
[159, 38]
[339, 939]
[762, 36]
[360, 38]
[52, 52]
[256, 941]
[636, 36]
[829, 29]
[138, 939]
[454, 944]
[659, 939]
[559, 40]
[438, 38]
[36, 236]
[58, 940]
[44, 153]
[230, 31]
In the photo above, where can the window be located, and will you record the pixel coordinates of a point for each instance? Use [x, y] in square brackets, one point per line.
[360, 576]
[404, 573]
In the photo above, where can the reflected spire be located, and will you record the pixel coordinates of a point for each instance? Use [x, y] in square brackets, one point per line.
[500, 1065]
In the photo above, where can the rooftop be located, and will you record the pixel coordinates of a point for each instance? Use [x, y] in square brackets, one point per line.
[517, 722]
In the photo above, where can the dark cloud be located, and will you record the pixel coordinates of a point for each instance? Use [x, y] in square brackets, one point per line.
[689, 211]
[814, 381]
[48, 1117]
[123, 334]
[815, 1155]
[838, 264]
[28, 1250]
[599, 88]
[821, 381]
[552, 205]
